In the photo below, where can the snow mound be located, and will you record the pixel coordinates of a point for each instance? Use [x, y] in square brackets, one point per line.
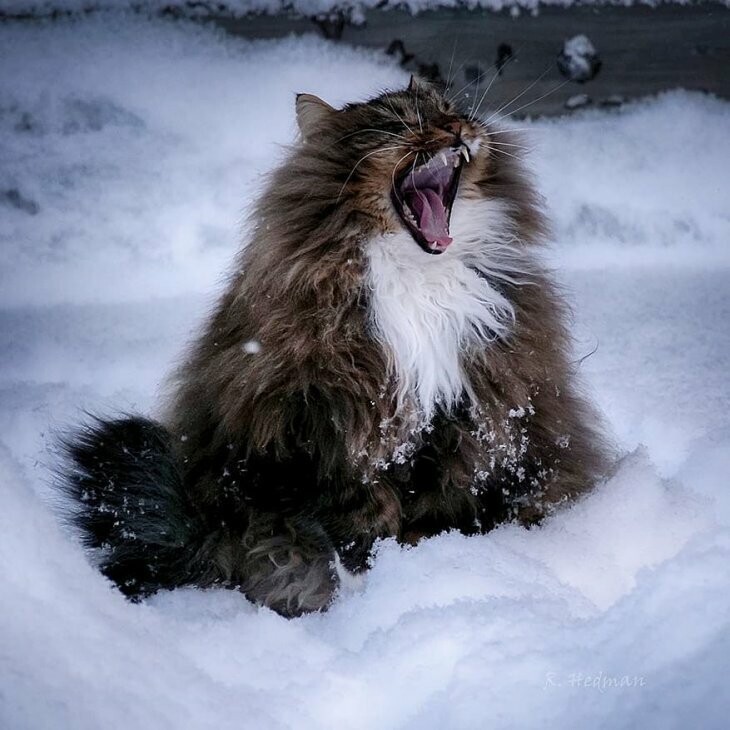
[595, 614]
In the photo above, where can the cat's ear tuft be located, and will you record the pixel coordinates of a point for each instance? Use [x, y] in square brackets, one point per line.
[312, 113]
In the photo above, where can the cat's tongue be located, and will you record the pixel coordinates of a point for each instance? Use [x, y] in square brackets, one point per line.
[428, 208]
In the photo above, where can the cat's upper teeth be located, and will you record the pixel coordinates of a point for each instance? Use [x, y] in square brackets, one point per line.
[444, 159]
[465, 153]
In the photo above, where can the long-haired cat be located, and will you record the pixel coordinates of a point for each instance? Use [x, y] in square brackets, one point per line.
[389, 359]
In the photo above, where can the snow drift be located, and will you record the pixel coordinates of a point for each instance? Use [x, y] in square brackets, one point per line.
[129, 152]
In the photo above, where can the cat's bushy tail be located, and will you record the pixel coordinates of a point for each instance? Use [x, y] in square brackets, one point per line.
[128, 499]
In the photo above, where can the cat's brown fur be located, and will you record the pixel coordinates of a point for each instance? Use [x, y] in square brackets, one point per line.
[289, 437]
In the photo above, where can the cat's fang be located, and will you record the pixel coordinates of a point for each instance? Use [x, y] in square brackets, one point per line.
[465, 153]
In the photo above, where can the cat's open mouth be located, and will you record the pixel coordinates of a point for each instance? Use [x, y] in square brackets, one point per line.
[424, 195]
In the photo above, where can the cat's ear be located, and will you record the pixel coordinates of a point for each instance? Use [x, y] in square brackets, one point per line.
[312, 112]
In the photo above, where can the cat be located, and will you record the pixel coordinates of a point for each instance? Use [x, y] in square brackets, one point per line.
[390, 359]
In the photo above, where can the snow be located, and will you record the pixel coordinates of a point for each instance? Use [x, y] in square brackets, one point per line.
[578, 59]
[133, 149]
[353, 9]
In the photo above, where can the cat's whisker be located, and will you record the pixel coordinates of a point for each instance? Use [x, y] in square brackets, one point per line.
[395, 167]
[448, 90]
[520, 95]
[539, 98]
[507, 154]
[508, 144]
[510, 131]
[413, 166]
[497, 73]
[379, 131]
[452, 97]
[451, 63]
[476, 92]
[449, 94]
[400, 118]
[475, 108]
[358, 163]
[474, 81]
[478, 80]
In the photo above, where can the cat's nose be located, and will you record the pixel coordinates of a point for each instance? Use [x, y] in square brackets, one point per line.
[453, 127]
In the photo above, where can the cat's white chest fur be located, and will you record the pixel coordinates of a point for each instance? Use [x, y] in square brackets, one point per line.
[427, 310]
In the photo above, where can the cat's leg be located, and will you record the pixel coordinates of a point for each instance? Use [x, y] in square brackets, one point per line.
[285, 563]
[517, 468]
[264, 536]
[435, 502]
[356, 515]
[446, 490]
[294, 564]
[438, 494]
[279, 527]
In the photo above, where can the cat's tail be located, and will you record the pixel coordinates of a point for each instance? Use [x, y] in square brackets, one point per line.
[128, 500]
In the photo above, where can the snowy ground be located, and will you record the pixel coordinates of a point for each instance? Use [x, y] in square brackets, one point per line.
[128, 152]
[355, 9]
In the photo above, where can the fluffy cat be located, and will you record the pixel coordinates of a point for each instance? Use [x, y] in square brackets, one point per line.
[389, 359]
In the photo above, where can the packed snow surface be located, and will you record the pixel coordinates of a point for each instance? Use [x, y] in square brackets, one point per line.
[129, 152]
